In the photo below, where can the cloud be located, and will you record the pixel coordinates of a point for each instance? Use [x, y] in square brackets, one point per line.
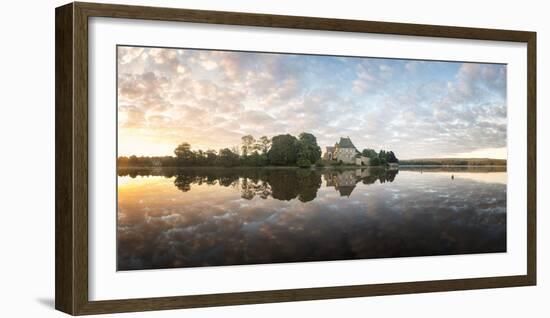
[212, 98]
[161, 227]
[133, 117]
[366, 80]
[209, 65]
[128, 54]
[474, 81]
[413, 65]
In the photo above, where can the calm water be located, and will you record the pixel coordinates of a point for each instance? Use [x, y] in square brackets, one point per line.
[207, 217]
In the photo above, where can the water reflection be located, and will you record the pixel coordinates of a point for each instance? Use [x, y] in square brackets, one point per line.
[196, 217]
[281, 184]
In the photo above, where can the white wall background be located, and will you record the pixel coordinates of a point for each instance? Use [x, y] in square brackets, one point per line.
[27, 158]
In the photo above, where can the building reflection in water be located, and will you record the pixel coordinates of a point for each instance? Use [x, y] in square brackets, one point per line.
[280, 184]
[170, 218]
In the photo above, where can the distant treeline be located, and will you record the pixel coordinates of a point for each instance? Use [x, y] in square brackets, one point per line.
[454, 162]
[281, 150]
[382, 158]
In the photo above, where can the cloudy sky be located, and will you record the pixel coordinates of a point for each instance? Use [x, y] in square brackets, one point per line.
[418, 109]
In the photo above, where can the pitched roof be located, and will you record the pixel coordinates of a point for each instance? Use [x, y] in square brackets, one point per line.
[345, 190]
[345, 143]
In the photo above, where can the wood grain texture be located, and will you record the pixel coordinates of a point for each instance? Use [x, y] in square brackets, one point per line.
[64, 235]
[298, 22]
[165, 303]
[80, 146]
[532, 158]
[72, 157]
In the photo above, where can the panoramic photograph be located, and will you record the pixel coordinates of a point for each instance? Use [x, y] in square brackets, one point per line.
[248, 158]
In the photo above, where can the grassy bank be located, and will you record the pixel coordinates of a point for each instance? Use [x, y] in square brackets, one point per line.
[453, 162]
[251, 167]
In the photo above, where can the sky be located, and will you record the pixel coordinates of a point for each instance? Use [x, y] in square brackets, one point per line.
[210, 99]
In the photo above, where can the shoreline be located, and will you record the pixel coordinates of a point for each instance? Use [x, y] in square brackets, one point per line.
[453, 166]
[310, 168]
[250, 167]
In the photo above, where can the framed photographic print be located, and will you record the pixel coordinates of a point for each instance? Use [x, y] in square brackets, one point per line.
[211, 158]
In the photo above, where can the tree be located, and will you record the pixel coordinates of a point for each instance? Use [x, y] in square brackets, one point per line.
[392, 158]
[183, 182]
[308, 183]
[200, 158]
[283, 150]
[263, 144]
[133, 160]
[370, 153]
[228, 158]
[122, 161]
[374, 161]
[248, 145]
[303, 162]
[183, 153]
[283, 182]
[382, 155]
[211, 157]
[307, 148]
[256, 160]
[235, 150]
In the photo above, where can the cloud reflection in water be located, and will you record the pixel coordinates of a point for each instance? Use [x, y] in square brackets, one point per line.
[191, 218]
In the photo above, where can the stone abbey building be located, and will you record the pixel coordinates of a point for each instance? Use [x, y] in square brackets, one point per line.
[345, 151]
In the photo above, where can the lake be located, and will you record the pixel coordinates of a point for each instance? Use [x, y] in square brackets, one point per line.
[170, 218]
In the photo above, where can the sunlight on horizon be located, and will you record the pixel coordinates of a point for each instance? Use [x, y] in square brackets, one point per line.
[211, 98]
[492, 153]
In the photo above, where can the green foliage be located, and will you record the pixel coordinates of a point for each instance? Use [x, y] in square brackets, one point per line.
[370, 153]
[288, 184]
[307, 148]
[183, 152]
[308, 182]
[391, 158]
[383, 157]
[380, 159]
[455, 162]
[283, 150]
[303, 163]
[255, 160]
[263, 144]
[248, 145]
[210, 157]
[280, 184]
[374, 161]
[228, 158]
[134, 161]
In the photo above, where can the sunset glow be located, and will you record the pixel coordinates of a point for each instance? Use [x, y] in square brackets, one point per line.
[210, 99]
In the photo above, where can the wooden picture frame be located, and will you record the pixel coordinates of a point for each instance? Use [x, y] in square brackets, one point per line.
[71, 222]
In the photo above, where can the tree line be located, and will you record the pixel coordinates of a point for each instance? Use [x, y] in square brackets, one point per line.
[281, 150]
[455, 162]
[381, 158]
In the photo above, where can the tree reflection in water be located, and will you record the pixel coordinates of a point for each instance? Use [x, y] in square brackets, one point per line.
[170, 218]
[280, 184]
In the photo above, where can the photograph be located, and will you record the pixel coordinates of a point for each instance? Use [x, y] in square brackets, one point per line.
[248, 158]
